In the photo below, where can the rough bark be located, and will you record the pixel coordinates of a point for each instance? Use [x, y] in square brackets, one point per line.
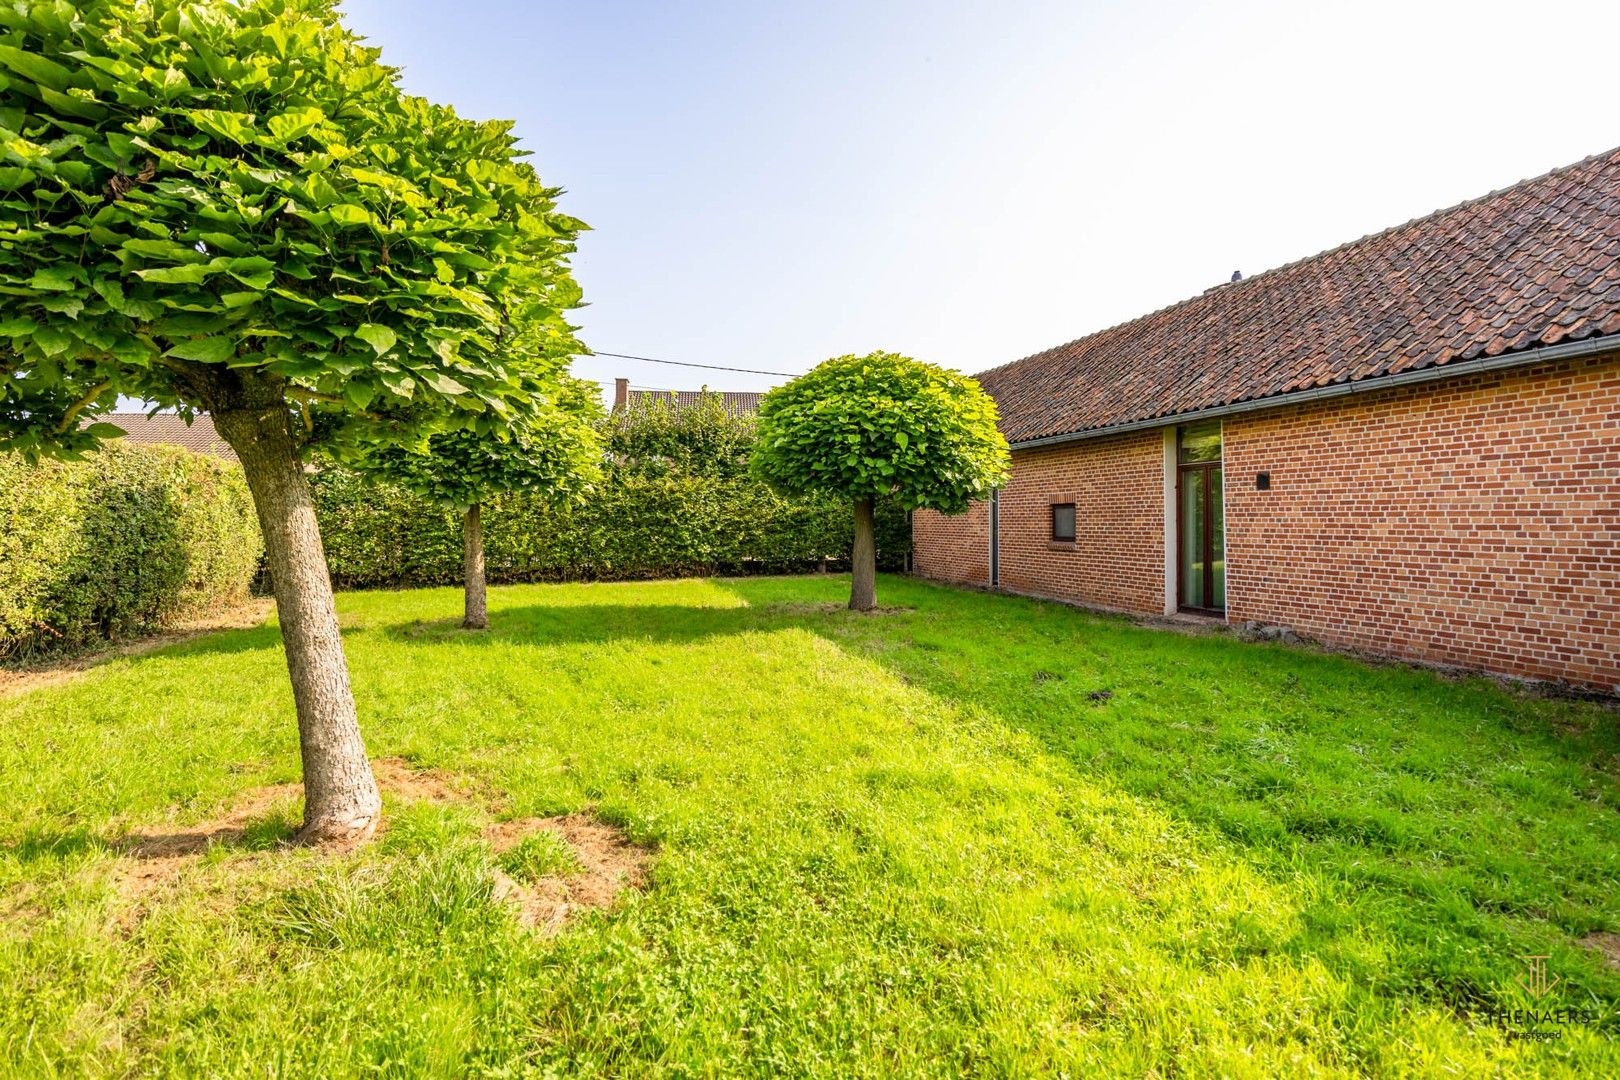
[341, 802]
[863, 560]
[472, 548]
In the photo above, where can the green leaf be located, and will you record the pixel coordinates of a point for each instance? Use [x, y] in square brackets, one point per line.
[231, 126]
[169, 250]
[254, 271]
[295, 123]
[18, 327]
[211, 350]
[63, 305]
[191, 274]
[55, 278]
[380, 338]
[35, 68]
[225, 242]
[399, 384]
[85, 108]
[443, 383]
[51, 341]
[358, 394]
[349, 214]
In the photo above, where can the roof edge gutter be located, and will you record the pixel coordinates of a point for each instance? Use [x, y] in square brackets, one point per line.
[1562, 351]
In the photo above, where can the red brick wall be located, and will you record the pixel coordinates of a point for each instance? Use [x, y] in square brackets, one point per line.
[1473, 521]
[955, 548]
[1117, 487]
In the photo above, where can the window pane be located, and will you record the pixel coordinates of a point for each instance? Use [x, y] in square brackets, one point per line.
[1063, 522]
[1200, 442]
[1192, 539]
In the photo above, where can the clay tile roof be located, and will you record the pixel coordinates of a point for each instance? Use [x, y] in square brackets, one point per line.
[170, 429]
[1534, 264]
[737, 401]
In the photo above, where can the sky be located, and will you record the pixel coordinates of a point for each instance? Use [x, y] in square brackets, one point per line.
[772, 184]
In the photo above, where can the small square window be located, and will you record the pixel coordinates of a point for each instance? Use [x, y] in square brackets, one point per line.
[1063, 522]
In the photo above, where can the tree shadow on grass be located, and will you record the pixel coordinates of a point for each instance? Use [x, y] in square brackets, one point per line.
[543, 626]
[141, 651]
[1450, 822]
[1467, 824]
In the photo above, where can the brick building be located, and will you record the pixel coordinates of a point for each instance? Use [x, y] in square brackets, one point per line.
[1408, 445]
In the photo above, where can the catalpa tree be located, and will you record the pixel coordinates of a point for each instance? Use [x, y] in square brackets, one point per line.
[881, 425]
[555, 455]
[230, 207]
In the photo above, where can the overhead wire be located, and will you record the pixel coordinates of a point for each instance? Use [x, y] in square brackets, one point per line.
[687, 363]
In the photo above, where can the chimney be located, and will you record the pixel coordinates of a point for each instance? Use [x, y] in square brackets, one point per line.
[621, 393]
[1237, 276]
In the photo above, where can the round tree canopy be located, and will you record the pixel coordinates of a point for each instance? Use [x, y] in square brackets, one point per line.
[556, 453]
[882, 424]
[195, 193]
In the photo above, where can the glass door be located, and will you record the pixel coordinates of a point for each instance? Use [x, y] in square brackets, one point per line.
[1200, 529]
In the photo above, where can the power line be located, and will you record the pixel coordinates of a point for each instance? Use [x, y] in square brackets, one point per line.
[683, 363]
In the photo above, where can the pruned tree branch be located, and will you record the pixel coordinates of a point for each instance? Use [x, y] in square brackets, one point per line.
[78, 406]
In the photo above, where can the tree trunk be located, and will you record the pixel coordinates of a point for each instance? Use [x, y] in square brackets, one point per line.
[472, 570]
[340, 795]
[863, 560]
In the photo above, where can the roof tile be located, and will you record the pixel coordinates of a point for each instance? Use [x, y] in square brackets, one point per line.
[169, 429]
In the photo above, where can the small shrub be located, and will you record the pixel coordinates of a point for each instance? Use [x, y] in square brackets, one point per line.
[117, 544]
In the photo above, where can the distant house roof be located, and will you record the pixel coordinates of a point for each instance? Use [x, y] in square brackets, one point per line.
[738, 401]
[1535, 264]
[169, 429]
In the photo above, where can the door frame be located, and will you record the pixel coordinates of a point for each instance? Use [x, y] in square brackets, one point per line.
[995, 538]
[1212, 492]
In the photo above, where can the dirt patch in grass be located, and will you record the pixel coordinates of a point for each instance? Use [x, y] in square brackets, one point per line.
[155, 856]
[396, 776]
[248, 616]
[1606, 943]
[608, 863]
[439, 629]
[591, 864]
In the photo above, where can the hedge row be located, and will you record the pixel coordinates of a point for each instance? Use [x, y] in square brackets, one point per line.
[118, 544]
[636, 524]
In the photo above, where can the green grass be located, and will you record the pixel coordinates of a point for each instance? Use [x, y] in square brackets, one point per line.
[982, 835]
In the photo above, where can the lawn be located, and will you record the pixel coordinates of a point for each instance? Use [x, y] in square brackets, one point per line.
[977, 834]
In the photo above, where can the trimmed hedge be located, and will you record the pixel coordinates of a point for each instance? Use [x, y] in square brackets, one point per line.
[636, 524]
[675, 500]
[118, 544]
